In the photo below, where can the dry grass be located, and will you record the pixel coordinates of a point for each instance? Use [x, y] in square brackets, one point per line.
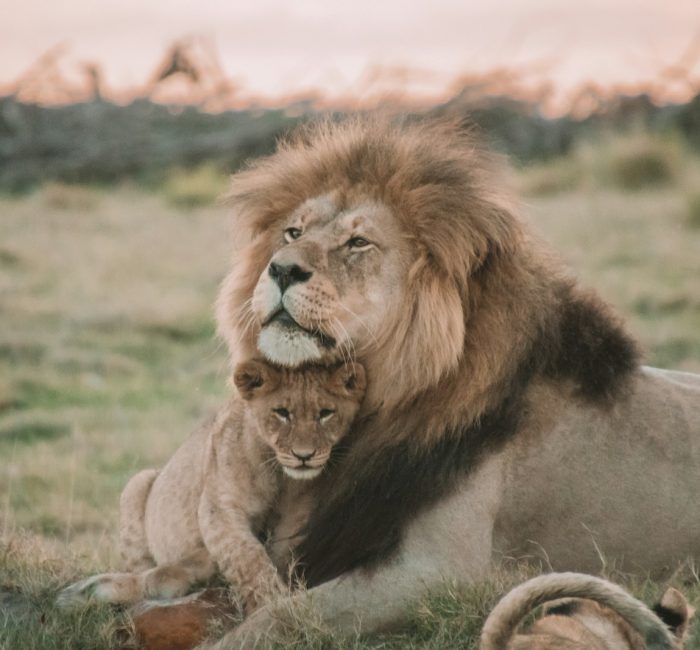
[107, 360]
[62, 196]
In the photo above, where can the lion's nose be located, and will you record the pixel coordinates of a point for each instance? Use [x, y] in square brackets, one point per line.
[286, 275]
[303, 453]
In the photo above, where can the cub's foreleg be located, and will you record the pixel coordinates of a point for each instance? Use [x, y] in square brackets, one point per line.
[240, 556]
[133, 543]
[165, 581]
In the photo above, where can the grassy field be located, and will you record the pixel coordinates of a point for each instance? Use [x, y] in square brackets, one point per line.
[108, 359]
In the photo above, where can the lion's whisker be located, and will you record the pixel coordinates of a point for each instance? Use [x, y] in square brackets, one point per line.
[342, 345]
[334, 333]
[346, 341]
[360, 321]
[269, 461]
[347, 338]
[246, 320]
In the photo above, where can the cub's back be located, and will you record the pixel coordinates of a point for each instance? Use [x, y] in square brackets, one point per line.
[172, 526]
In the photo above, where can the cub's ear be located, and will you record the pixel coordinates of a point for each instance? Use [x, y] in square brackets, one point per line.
[254, 378]
[349, 379]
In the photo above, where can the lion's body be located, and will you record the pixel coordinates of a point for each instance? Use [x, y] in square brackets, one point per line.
[579, 488]
[508, 414]
[582, 482]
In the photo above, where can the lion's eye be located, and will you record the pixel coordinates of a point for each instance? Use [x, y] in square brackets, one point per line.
[290, 234]
[358, 243]
[282, 414]
[325, 414]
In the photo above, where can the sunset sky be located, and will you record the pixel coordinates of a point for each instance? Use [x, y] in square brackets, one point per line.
[274, 47]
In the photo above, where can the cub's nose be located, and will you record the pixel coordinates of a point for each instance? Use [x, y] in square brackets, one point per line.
[286, 275]
[303, 453]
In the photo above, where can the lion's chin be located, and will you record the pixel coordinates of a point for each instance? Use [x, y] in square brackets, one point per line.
[302, 474]
[288, 346]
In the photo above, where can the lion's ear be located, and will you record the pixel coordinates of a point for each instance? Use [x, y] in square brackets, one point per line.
[674, 610]
[254, 378]
[349, 379]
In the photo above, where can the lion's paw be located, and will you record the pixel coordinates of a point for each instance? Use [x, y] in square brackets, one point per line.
[121, 588]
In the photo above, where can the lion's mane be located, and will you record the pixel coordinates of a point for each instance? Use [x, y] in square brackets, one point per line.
[490, 311]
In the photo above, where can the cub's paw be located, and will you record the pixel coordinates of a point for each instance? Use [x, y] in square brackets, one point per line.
[119, 588]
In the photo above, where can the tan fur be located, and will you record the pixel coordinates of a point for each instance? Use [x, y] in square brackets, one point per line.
[599, 616]
[207, 508]
[440, 310]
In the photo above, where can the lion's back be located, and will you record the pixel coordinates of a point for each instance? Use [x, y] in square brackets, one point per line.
[614, 482]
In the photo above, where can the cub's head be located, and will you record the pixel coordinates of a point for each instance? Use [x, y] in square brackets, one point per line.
[301, 414]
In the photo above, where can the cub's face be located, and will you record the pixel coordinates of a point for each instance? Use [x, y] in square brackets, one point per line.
[333, 283]
[300, 414]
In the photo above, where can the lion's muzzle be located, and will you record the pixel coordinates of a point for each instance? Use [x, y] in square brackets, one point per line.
[287, 274]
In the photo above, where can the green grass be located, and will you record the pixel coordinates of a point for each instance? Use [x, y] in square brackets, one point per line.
[642, 162]
[633, 162]
[108, 360]
[193, 188]
[694, 210]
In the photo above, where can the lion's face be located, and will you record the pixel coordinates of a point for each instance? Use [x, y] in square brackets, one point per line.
[335, 280]
[380, 242]
[302, 414]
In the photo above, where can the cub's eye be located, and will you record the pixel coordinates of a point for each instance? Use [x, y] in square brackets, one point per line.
[325, 414]
[290, 234]
[358, 243]
[282, 414]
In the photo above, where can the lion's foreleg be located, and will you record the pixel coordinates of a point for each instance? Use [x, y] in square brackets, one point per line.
[360, 602]
[450, 543]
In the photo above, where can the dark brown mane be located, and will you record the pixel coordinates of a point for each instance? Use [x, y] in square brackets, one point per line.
[358, 527]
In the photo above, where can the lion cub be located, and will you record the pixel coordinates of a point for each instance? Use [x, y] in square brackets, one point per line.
[595, 615]
[210, 506]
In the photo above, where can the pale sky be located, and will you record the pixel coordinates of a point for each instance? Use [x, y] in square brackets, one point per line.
[275, 47]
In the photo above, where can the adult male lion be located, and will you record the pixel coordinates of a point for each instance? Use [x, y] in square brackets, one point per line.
[506, 409]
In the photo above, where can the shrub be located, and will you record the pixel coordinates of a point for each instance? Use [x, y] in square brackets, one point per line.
[191, 188]
[639, 162]
[693, 214]
[559, 175]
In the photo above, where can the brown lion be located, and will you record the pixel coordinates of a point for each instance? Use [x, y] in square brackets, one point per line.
[506, 412]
